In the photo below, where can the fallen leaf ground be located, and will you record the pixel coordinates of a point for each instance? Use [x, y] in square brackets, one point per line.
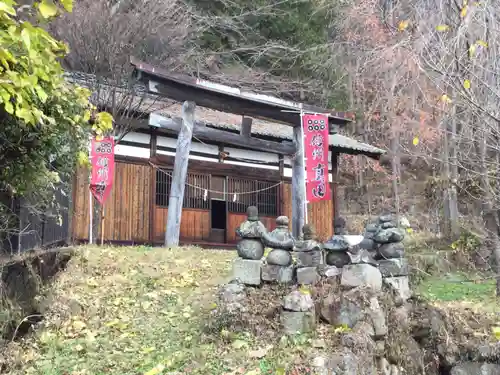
[138, 310]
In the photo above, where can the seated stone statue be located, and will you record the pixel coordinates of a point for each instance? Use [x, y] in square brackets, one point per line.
[250, 231]
[337, 251]
[281, 241]
[308, 250]
[339, 225]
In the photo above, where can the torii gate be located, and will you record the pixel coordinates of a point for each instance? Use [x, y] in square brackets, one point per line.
[231, 100]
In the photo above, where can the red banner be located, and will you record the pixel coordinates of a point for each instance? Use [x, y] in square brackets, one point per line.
[102, 157]
[316, 154]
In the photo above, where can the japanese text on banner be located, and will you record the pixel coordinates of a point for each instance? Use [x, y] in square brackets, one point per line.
[103, 165]
[316, 154]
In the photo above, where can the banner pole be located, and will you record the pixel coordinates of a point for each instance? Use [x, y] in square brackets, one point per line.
[102, 225]
[91, 202]
[304, 163]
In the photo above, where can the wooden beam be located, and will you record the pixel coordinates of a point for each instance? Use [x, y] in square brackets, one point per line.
[335, 181]
[223, 169]
[215, 135]
[298, 188]
[179, 175]
[282, 186]
[246, 127]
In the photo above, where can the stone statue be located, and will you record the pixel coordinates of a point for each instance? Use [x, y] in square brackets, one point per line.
[308, 250]
[339, 225]
[281, 241]
[250, 231]
[336, 251]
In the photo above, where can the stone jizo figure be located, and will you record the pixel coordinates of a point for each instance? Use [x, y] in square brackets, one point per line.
[308, 249]
[336, 251]
[251, 231]
[281, 241]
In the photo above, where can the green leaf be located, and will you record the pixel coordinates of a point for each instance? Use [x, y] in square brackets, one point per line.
[47, 9]
[42, 95]
[25, 35]
[68, 5]
[25, 115]
[105, 120]
[6, 6]
[9, 108]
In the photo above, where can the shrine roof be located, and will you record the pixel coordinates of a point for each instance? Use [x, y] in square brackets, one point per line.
[135, 98]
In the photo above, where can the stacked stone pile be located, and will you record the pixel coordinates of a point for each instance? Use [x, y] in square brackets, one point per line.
[247, 267]
[278, 265]
[298, 314]
[384, 240]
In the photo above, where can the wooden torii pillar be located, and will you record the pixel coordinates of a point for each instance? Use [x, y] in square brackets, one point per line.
[176, 198]
[187, 128]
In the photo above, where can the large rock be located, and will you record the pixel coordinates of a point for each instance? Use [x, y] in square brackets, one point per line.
[247, 271]
[336, 243]
[279, 274]
[371, 228]
[307, 275]
[232, 296]
[341, 311]
[344, 362]
[337, 258]
[329, 271]
[355, 275]
[294, 322]
[298, 301]
[384, 218]
[250, 248]
[401, 285]
[309, 258]
[279, 257]
[389, 235]
[391, 250]
[368, 244]
[476, 368]
[393, 267]
[377, 316]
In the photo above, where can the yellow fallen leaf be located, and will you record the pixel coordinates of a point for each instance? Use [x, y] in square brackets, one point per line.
[496, 332]
[445, 98]
[148, 350]
[304, 290]
[467, 84]
[403, 25]
[158, 369]
[92, 282]
[472, 50]
[238, 344]
[442, 28]
[482, 43]
[463, 12]
[416, 141]
[78, 325]
[409, 230]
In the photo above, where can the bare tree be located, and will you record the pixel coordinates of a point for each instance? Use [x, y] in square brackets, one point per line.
[102, 35]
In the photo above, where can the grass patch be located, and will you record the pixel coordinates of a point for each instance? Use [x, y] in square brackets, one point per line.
[138, 310]
[458, 287]
[123, 311]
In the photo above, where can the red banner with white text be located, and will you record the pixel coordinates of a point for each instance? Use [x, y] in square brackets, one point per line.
[102, 158]
[316, 154]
